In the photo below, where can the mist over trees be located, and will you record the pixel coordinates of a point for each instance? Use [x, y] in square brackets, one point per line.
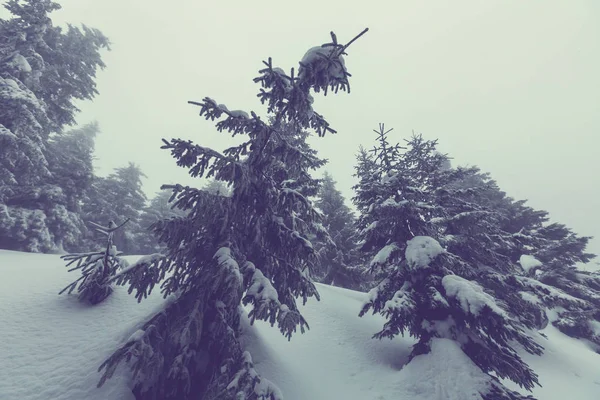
[444, 253]
[44, 69]
[339, 260]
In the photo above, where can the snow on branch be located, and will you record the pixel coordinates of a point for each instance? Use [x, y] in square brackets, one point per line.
[421, 251]
[247, 380]
[97, 268]
[470, 295]
[226, 260]
[383, 256]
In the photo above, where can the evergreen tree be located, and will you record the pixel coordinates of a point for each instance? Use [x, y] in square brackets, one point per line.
[160, 208]
[56, 201]
[445, 275]
[217, 187]
[70, 161]
[250, 248]
[548, 254]
[97, 268]
[43, 70]
[115, 198]
[338, 256]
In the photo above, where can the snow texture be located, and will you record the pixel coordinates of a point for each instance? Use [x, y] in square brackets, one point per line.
[421, 251]
[446, 373]
[528, 262]
[52, 346]
[471, 296]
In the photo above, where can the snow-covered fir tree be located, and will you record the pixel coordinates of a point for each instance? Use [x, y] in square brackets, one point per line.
[70, 159]
[338, 257]
[43, 70]
[548, 254]
[445, 275]
[250, 248]
[159, 208]
[97, 268]
[217, 187]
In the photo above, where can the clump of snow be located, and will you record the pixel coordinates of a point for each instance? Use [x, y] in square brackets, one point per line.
[421, 251]
[261, 288]
[528, 262]
[239, 114]
[530, 297]
[401, 299]
[225, 259]
[371, 226]
[384, 254]
[374, 292]
[21, 63]
[471, 296]
[391, 202]
[324, 58]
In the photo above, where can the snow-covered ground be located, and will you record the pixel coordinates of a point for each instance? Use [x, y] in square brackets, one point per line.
[51, 347]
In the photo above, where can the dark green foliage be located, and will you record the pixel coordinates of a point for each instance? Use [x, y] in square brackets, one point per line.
[217, 187]
[411, 193]
[338, 257]
[157, 210]
[251, 248]
[43, 71]
[97, 268]
[435, 243]
[117, 197]
[526, 231]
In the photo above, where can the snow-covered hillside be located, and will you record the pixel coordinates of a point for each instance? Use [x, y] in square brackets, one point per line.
[51, 347]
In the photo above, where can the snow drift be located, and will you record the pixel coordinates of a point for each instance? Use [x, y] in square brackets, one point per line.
[52, 346]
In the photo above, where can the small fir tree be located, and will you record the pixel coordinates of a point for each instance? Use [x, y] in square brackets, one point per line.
[97, 268]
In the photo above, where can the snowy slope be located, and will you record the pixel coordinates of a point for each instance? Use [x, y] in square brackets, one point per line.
[52, 346]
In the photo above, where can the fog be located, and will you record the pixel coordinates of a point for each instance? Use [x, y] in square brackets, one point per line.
[510, 86]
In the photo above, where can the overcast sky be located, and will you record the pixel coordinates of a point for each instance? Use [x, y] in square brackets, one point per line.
[511, 86]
